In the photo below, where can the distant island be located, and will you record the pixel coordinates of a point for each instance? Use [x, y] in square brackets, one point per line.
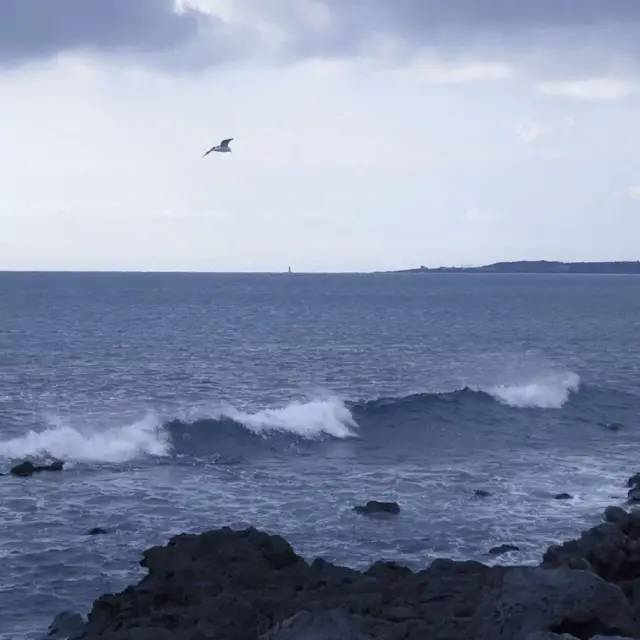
[537, 266]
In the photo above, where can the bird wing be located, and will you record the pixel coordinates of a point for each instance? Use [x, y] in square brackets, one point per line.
[208, 152]
[225, 143]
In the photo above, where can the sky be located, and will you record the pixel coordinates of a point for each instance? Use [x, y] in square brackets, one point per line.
[368, 134]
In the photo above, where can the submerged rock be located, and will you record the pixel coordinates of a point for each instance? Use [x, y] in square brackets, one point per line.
[373, 507]
[611, 426]
[503, 548]
[97, 531]
[481, 493]
[563, 496]
[27, 468]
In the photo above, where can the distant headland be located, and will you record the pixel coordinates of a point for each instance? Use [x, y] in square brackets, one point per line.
[537, 266]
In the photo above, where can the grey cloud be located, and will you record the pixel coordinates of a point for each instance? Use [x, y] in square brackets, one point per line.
[40, 28]
[469, 23]
[602, 28]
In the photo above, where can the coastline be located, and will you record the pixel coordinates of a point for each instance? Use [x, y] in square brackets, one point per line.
[549, 267]
[241, 585]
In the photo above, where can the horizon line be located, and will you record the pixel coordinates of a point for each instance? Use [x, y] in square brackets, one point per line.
[307, 272]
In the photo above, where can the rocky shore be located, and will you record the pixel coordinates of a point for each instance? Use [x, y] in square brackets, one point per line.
[247, 585]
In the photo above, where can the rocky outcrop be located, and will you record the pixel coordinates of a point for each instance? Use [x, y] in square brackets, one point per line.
[243, 585]
[373, 507]
[529, 599]
[27, 468]
[66, 626]
[503, 548]
[610, 550]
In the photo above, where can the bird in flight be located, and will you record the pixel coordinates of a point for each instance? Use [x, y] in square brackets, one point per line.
[223, 147]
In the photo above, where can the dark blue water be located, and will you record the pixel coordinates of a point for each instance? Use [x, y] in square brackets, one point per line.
[186, 402]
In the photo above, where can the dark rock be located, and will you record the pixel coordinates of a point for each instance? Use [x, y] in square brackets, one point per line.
[375, 507]
[525, 600]
[27, 468]
[610, 550]
[549, 635]
[634, 480]
[616, 515]
[332, 625]
[247, 585]
[503, 548]
[612, 426]
[389, 571]
[23, 470]
[97, 531]
[66, 626]
[633, 495]
[563, 496]
[481, 493]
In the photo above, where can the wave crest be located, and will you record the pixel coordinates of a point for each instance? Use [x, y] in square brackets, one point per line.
[116, 444]
[547, 391]
[152, 437]
[309, 420]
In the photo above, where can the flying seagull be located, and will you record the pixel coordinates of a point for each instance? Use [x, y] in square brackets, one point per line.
[223, 147]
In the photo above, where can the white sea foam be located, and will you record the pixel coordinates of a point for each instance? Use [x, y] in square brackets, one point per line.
[115, 444]
[312, 419]
[549, 390]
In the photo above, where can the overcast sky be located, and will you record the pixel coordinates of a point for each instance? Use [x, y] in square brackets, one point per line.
[369, 134]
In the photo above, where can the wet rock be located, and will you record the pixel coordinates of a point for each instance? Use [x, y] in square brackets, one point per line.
[66, 626]
[97, 531]
[23, 470]
[374, 507]
[633, 495]
[481, 493]
[634, 480]
[503, 548]
[563, 496]
[27, 468]
[612, 426]
[616, 515]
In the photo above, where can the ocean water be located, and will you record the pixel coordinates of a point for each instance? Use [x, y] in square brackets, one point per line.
[182, 402]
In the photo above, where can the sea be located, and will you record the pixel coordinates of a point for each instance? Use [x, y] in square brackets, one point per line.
[187, 402]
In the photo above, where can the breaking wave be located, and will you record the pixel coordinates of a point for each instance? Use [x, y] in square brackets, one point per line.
[116, 444]
[151, 436]
[229, 429]
[547, 391]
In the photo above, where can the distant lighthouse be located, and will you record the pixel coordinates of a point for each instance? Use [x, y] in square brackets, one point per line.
[290, 270]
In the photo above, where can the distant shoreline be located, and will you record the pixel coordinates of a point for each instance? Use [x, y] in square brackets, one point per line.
[538, 266]
[627, 267]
